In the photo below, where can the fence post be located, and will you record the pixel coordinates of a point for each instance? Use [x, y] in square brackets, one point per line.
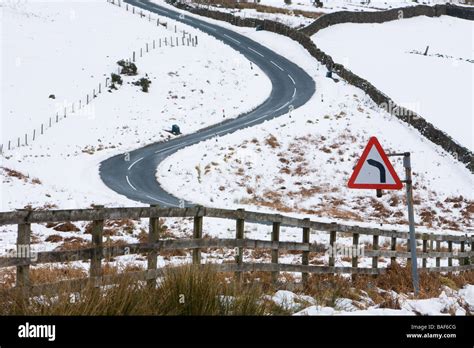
[375, 247]
[239, 234]
[23, 249]
[355, 259]
[305, 257]
[197, 234]
[450, 249]
[425, 250]
[96, 260]
[438, 249]
[462, 259]
[153, 237]
[355, 243]
[393, 247]
[332, 241]
[275, 238]
[470, 259]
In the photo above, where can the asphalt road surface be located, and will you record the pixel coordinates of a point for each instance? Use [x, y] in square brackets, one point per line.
[134, 176]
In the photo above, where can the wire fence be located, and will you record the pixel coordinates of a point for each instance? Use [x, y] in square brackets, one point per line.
[178, 37]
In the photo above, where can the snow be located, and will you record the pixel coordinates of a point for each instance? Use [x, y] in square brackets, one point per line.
[449, 302]
[288, 300]
[187, 89]
[467, 294]
[330, 6]
[318, 145]
[439, 88]
[318, 310]
[58, 48]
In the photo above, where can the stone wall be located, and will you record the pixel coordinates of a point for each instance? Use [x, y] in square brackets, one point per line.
[427, 129]
[372, 17]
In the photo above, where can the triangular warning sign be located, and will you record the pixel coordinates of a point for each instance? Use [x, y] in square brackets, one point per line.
[374, 170]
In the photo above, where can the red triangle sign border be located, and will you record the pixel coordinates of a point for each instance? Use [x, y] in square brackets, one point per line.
[373, 141]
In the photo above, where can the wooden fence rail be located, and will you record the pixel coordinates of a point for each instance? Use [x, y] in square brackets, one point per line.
[98, 251]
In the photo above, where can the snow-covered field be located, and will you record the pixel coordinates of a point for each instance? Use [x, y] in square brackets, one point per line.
[351, 5]
[438, 86]
[187, 89]
[58, 48]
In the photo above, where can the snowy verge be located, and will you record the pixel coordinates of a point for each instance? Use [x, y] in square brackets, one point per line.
[437, 86]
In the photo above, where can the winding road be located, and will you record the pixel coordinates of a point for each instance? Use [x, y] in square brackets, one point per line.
[135, 178]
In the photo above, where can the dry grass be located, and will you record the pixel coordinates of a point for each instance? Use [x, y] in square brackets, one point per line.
[72, 243]
[272, 141]
[63, 226]
[186, 290]
[168, 254]
[327, 288]
[190, 290]
[399, 279]
[20, 176]
[15, 174]
[51, 274]
[54, 238]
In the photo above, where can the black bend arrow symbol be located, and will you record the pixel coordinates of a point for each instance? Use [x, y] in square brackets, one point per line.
[380, 167]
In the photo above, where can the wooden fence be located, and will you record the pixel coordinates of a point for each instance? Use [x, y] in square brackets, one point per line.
[431, 244]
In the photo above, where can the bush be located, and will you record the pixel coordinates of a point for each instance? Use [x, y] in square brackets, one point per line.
[144, 83]
[128, 68]
[116, 79]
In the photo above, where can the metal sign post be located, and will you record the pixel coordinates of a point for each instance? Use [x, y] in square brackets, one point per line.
[411, 220]
[411, 217]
